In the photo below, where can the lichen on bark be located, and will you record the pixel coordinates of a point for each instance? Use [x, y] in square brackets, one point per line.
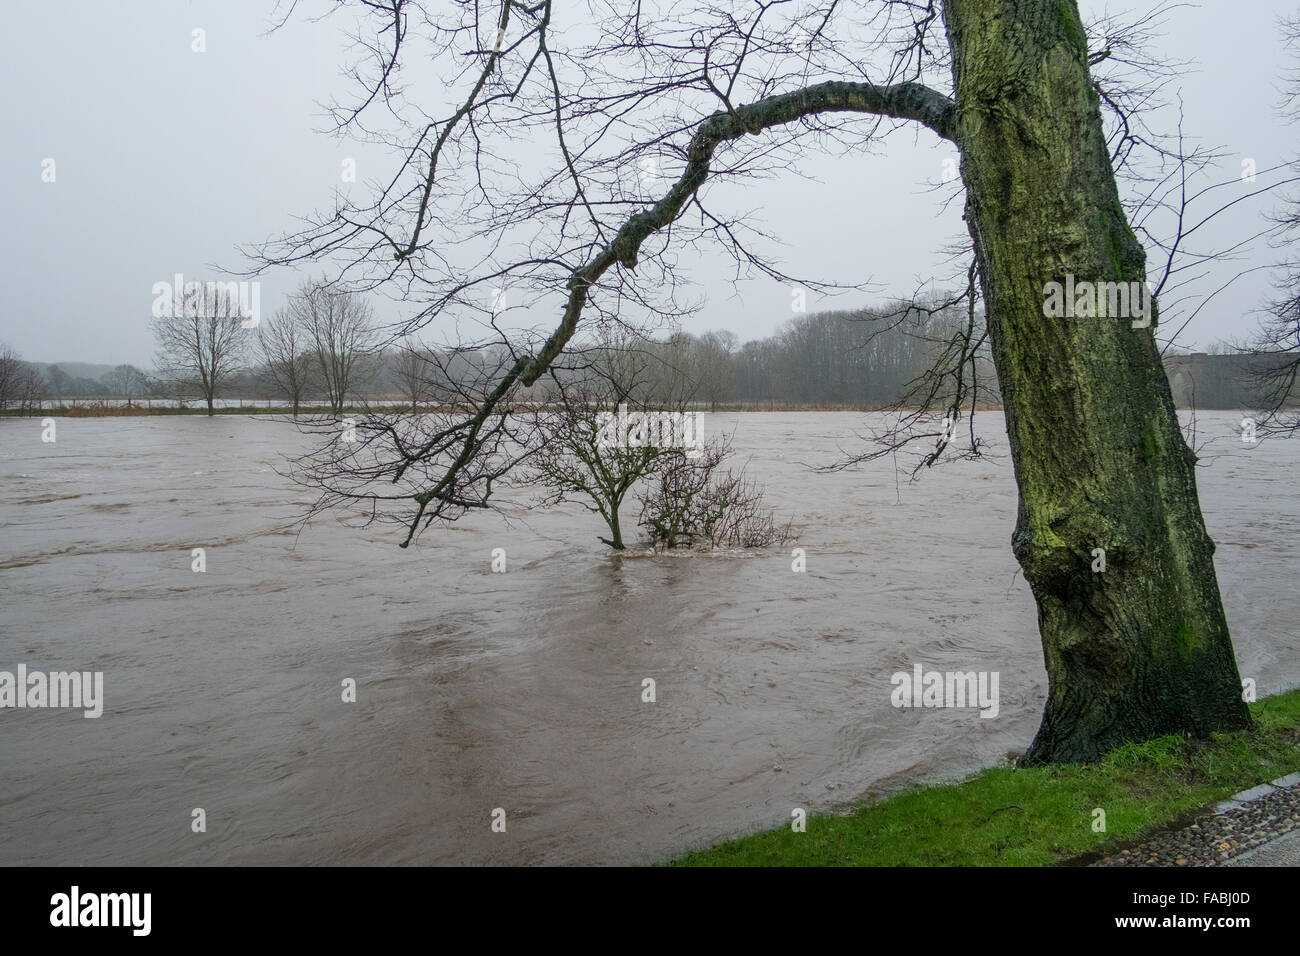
[1141, 649]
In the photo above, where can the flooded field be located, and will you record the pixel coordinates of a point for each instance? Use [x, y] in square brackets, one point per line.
[522, 690]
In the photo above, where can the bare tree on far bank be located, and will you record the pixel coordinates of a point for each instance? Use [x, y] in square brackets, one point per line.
[338, 328]
[11, 368]
[412, 369]
[21, 385]
[126, 381]
[1276, 346]
[284, 344]
[716, 371]
[201, 340]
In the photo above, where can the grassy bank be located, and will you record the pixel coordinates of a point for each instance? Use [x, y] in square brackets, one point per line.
[1036, 816]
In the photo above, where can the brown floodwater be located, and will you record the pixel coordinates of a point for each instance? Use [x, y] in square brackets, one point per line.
[522, 691]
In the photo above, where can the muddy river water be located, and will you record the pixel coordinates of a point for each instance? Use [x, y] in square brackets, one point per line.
[521, 690]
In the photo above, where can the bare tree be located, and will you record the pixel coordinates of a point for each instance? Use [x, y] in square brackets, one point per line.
[678, 377]
[286, 353]
[1276, 346]
[714, 368]
[725, 90]
[411, 368]
[21, 384]
[125, 381]
[200, 338]
[32, 389]
[11, 375]
[354, 464]
[337, 326]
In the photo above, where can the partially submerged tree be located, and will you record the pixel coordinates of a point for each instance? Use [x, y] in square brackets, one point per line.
[694, 502]
[579, 458]
[596, 439]
[716, 92]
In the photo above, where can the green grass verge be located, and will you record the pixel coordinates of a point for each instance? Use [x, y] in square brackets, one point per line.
[1035, 816]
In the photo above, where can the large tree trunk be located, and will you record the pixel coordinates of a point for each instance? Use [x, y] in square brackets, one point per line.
[1141, 649]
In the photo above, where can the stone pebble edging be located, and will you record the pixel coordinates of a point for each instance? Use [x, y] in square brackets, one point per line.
[1239, 824]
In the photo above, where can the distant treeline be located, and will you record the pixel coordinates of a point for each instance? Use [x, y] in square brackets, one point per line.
[1205, 380]
[862, 358]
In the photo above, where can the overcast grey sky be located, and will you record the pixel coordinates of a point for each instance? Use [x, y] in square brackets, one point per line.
[166, 159]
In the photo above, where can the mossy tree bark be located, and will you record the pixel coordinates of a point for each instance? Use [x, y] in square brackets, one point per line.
[1142, 648]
